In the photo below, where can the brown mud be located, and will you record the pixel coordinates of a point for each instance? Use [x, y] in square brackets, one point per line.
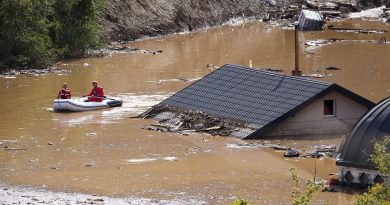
[133, 19]
[106, 153]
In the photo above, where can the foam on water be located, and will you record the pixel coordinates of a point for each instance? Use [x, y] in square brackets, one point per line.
[143, 160]
[133, 105]
[80, 120]
[146, 160]
[172, 159]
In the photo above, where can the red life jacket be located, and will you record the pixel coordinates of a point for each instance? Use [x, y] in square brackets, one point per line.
[64, 94]
[96, 95]
[97, 92]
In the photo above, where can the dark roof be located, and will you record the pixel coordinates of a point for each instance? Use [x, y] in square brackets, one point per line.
[254, 96]
[359, 144]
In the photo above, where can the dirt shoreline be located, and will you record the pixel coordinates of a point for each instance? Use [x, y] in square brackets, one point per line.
[25, 195]
[124, 21]
[133, 19]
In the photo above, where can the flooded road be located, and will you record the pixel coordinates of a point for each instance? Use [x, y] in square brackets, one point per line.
[106, 153]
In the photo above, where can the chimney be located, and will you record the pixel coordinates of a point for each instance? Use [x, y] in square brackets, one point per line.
[296, 71]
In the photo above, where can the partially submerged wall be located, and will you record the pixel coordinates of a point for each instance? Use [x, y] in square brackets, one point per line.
[362, 177]
[312, 121]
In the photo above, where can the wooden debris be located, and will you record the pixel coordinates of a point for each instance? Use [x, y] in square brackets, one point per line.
[279, 147]
[273, 70]
[212, 66]
[13, 149]
[333, 68]
[187, 121]
[355, 30]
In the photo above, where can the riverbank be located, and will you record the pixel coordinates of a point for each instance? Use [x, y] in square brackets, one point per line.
[130, 20]
[123, 21]
[33, 196]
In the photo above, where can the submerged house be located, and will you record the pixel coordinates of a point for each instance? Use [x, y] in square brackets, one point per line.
[310, 20]
[355, 152]
[270, 104]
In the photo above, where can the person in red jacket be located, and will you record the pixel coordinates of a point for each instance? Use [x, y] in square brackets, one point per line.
[97, 94]
[64, 92]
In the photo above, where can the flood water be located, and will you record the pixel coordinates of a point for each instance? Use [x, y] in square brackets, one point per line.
[106, 153]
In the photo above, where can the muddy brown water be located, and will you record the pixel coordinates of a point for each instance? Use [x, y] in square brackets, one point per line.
[105, 153]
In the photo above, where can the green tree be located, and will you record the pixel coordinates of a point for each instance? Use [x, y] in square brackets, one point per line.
[304, 198]
[33, 33]
[379, 194]
[24, 39]
[76, 28]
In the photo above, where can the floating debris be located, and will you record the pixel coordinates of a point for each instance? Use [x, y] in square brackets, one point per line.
[182, 121]
[355, 30]
[310, 20]
[118, 49]
[171, 159]
[316, 75]
[13, 149]
[186, 80]
[333, 68]
[32, 72]
[139, 161]
[291, 153]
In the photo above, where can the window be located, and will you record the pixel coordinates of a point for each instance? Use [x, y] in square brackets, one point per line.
[329, 107]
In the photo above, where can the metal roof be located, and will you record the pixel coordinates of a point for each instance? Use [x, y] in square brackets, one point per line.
[254, 96]
[359, 144]
[312, 15]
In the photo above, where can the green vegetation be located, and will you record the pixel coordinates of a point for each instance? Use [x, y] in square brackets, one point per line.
[36, 32]
[240, 202]
[379, 194]
[304, 198]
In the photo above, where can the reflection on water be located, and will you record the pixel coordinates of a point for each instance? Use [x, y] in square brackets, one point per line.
[105, 152]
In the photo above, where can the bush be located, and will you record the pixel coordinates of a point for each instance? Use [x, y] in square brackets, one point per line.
[240, 202]
[304, 198]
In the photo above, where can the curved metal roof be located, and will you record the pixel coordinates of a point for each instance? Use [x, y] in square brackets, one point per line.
[359, 144]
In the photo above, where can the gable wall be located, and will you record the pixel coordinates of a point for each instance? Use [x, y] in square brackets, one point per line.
[311, 120]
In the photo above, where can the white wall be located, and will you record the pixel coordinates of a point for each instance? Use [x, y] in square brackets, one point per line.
[312, 121]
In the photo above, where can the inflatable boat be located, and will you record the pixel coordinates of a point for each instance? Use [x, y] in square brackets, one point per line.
[82, 104]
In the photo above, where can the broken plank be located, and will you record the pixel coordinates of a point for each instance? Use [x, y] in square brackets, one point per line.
[14, 149]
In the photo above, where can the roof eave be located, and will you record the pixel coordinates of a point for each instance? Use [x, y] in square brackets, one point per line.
[356, 165]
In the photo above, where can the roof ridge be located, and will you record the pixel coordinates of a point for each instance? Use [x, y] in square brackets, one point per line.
[276, 74]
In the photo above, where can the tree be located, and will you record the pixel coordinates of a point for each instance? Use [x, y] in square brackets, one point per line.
[33, 33]
[304, 198]
[76, 29]
[24, 39]
[379, 194]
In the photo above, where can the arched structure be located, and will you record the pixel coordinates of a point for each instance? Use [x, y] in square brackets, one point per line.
[358, 146]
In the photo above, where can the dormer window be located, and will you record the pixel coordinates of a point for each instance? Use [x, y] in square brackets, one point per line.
[329, 107]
